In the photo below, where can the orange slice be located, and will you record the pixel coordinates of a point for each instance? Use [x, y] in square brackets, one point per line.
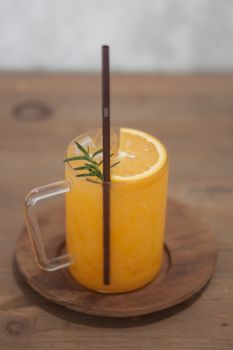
[140, 155]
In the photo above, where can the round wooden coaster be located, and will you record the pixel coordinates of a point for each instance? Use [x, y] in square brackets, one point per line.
[188, 264]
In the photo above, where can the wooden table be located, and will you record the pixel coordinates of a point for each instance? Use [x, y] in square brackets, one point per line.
[193, 116]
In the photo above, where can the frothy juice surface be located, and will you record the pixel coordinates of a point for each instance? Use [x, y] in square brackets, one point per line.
[137, 210]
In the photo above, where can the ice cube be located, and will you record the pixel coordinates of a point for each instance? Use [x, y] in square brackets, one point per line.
[93, 139]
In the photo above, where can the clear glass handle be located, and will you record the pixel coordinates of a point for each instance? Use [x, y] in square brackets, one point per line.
[31, 199]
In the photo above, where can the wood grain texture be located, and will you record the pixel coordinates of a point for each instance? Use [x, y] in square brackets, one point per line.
[189, 262]
[193, 116]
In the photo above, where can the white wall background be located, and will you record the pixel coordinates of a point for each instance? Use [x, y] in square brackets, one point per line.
[145, 35]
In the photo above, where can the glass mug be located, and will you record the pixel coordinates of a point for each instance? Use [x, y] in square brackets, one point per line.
[137, 219]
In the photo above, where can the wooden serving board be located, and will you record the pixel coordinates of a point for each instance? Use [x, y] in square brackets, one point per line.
[189, 260]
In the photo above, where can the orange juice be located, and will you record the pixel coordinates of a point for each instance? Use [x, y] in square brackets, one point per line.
[137, 217]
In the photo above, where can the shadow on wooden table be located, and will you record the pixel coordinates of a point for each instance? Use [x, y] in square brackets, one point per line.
[31, 297]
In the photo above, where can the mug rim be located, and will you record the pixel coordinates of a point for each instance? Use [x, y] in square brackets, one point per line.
[157, 173]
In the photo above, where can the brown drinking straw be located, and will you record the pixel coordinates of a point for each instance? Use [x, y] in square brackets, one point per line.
[106, 163]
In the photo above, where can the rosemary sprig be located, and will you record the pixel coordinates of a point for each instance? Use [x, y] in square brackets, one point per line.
[91, 166]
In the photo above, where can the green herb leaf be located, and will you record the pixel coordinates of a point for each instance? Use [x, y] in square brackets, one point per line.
[96, 153]
[83, 175]
[75, 158]
[91, 165]
[81, 148]
[83, 167]
[114, 164]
